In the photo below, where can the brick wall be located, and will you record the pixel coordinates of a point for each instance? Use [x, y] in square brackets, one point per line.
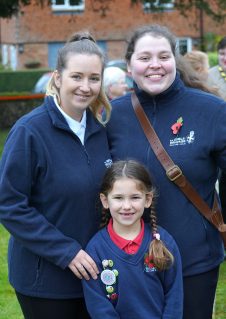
[36, 30]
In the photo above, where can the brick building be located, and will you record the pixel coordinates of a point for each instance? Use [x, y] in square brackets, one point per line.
[36, 33]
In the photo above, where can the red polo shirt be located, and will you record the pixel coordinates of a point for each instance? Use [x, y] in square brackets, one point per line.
[129, 246]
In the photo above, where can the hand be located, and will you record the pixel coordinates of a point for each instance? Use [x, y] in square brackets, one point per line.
[83, 265]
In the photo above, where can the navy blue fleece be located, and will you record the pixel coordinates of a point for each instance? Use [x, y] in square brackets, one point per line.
[49, 189]
[141, 294]
[199, 149]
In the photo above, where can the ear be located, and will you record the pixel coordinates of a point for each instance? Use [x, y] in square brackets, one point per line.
[148, 200]
[57, 78]
[104, 201]
[128, 68]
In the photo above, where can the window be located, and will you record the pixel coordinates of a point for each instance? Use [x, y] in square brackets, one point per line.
[68, 5]
[158, 5]
[184, 45]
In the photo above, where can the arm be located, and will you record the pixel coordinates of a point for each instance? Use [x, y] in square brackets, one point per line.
[173, 286]
[26, 200]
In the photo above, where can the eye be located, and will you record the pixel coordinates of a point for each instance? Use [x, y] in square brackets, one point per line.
[144, 58]
[136, 197]
[164, 57]
[95, 79]
[76, 77]
[117, 197]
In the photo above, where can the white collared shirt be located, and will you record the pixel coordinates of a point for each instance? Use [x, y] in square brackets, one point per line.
[78, 128]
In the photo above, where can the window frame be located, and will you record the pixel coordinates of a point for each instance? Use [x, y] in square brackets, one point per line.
[182, 42]
[67, 7]
[164, 6]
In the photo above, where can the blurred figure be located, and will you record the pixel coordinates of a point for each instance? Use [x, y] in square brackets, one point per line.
[217, 77]
[217, 74]
[114, 82]
[199, 62]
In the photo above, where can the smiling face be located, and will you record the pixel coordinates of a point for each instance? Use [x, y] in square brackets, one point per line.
[79, 83]
[152, 64]
[126, 202]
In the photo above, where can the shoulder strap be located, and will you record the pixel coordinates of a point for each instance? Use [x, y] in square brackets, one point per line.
[174, 173]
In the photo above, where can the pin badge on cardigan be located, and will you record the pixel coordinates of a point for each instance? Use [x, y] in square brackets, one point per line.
[109, 278]
[175, 174]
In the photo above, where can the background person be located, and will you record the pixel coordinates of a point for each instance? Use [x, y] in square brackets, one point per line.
[217, 77]
[198, 147]
[114, 82]
[143, 259]
[199, 61]
[52, 164]
[217, 74]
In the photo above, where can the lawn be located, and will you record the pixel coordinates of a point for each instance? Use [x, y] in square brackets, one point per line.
[9, 308]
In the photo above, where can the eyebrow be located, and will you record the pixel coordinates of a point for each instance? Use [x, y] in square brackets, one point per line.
[77, 72]
[148, 52]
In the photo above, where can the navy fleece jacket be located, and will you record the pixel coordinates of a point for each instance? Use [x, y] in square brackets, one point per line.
[199, 149]
[141, 293]
[49, 185]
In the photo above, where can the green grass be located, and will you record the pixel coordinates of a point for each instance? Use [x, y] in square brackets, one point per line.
[3, 135]
[9, 307]
[220, 304]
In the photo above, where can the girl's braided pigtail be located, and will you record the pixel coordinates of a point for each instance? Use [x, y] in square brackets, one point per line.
[158, 253]
[105, 217]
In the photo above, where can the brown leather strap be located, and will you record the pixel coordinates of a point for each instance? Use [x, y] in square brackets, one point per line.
[174, 173]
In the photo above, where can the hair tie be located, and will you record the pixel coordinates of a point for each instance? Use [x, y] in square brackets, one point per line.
[156, 236]
[86, 38]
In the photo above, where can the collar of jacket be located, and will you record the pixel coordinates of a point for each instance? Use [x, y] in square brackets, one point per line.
[57, 119]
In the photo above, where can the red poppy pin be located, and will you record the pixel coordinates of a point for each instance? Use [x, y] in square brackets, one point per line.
[149, 265]
[177, 126]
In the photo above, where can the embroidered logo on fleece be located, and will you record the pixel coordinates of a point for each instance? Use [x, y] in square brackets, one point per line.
[108, 163]
[189, 139]
[149, 265]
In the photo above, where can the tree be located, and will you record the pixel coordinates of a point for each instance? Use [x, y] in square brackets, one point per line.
[8, 8]
[215, 8]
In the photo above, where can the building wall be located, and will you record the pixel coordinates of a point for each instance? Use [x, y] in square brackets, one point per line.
[36, 31]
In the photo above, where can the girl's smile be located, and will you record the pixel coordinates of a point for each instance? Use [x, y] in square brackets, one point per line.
[126, 202]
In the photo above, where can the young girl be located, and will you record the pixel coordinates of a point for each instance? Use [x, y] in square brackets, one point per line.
[140, 266]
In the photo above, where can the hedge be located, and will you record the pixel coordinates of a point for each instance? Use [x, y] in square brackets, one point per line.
[19, 81]
[13, 107]
[213, 58]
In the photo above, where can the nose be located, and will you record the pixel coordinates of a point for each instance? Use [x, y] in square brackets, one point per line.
[154, 63]
[85, 86]
[126, 204]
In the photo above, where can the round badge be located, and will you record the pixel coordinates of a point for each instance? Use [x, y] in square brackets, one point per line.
[108, 277]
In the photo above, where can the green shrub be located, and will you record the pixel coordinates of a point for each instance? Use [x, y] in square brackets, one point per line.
[20, 81]
[213, 58]
[12, 110]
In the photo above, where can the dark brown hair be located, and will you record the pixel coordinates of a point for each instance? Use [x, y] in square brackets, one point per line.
[155, 30]
[158, 252]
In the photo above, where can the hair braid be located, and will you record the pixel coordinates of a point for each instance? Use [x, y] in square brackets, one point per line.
[105, 217]
[158, 252]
